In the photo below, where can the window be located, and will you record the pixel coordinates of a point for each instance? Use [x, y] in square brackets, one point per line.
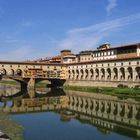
[109, 53]
[112, 52]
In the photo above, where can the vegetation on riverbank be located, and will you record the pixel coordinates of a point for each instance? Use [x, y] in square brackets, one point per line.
[9, 127]
[40, 84]
[123, 93]
[9, 82]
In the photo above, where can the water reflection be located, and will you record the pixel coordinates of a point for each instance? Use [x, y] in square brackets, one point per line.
[106, 113]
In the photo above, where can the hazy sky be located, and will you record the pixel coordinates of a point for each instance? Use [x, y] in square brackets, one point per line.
[31, 29]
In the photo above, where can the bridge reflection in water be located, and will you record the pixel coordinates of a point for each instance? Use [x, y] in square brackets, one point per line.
[105, 112]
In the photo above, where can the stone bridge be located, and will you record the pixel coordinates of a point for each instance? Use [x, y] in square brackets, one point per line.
[29, 73]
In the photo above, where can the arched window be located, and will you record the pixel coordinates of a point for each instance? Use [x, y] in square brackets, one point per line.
[122, 70]
[115, 70]
[91, 73]
[108, 73]
[86, 74]
[102, 73]
[138, 73]
[130, 73]
[97, 74]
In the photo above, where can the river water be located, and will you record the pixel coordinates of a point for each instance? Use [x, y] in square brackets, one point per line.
[54, 114]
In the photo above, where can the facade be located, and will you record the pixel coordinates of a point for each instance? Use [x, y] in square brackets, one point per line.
[106, 66]
[103, 52]
[106, 70]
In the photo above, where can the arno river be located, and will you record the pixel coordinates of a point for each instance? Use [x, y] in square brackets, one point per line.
[54, 114]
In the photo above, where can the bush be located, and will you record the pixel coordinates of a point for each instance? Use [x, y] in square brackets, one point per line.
[137, 87]
[122, 86]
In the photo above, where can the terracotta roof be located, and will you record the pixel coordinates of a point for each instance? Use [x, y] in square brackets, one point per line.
[28, 63]
[123, 46]
[69, 56]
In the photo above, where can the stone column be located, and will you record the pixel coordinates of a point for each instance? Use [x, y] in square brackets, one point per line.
[31, 83]
[112, 75]
[119, 75]
[23, 86]
[105, 75]
[134, 75]
[126, 75]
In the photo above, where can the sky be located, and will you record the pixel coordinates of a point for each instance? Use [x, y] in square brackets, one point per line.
[33, 29]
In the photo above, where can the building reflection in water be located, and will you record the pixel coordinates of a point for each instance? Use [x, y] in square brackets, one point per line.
[107, 113]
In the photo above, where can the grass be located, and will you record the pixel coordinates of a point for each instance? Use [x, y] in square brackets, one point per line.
[9, 82]
[40, 84]
[122, 93]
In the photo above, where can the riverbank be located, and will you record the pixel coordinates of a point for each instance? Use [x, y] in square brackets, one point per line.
[12, 82]
[123, 93]
[13, 130]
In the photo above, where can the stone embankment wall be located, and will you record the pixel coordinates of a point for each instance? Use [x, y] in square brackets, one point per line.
[98, 83]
